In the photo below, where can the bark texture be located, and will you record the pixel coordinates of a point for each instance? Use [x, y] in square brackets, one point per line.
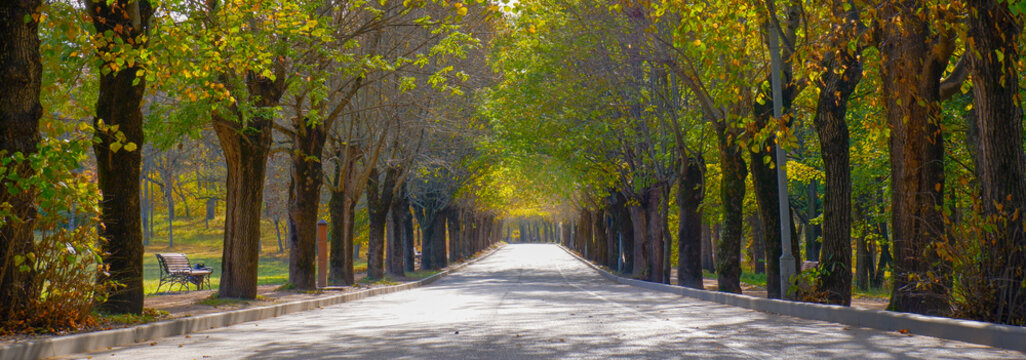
[914, 59]
[642, 256]
[379, 200]
[246, 146]
[994, 31]
[689, 198]
[843, 71]
[395, 249]
[341, 209]
[119, 103]
[409, 241]
[304, 200]
[20, 80]
[732, 195]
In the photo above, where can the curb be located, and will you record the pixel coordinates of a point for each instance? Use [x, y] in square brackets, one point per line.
[976, 332]
[101, 340]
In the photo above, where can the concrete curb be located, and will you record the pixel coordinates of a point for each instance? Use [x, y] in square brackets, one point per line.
[976, 332]
[101, 340]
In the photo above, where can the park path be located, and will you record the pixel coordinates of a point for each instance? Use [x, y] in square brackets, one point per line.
[536, 301]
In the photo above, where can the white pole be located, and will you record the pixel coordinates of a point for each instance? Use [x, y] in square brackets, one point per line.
[787, 268]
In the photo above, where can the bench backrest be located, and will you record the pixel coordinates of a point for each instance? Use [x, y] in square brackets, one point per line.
[174, 262]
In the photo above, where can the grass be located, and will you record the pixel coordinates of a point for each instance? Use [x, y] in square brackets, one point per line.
[760, 280]
[204, 245]
[420, 274]
[215, 301]
[388, 280]
[147, 316]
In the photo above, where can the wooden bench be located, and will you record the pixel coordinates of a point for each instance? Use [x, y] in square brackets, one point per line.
[176, 270]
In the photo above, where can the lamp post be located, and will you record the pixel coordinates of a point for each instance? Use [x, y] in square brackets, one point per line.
[787, 268]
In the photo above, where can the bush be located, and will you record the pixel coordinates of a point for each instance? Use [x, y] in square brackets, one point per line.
[988, 257]
[64, 262]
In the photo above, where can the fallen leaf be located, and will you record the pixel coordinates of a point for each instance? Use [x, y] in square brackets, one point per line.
[903, 331]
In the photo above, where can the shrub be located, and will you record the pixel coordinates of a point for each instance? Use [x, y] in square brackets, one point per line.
[988, 256]
[64, 263]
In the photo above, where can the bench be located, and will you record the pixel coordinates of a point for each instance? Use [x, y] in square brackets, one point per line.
[176, 270]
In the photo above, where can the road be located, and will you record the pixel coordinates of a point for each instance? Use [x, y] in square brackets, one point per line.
[531, 301]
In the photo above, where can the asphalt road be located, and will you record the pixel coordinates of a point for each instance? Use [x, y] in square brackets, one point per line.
[537, 302]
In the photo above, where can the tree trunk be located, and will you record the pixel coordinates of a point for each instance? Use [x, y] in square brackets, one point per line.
[409, 240]
[993, 63]
[690, 194]
[379, 200]
[597, 240]
[863, 263]
[913, 62]
[639, 224]
[456, 246]
[246, 159]
[708, 244]
[277, 233]
[211, 212]
[757, 249]
[304, 202]
[812, 246]
[146, 204]
[342, 209]
[611, 236]
[885, 260]
[836, 84]
[764, 182]
[246, 144]
[169, 200]
[119, 103]
[341, 257]
[433, 249]
[624, 233]
[732, 193]
[395, 249]
[438, 252]
[20, 110]
[656, 226]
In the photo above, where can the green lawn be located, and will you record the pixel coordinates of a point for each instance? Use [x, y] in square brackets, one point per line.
[204, 245]
[760, 280]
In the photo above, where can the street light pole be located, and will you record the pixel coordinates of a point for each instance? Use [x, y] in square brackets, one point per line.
[787, 268]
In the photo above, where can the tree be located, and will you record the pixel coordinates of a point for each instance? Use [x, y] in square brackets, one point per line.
[993, 56]
[122, 29]
[20, 111]
[238, 93]
[842, 70]
[915, 43]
